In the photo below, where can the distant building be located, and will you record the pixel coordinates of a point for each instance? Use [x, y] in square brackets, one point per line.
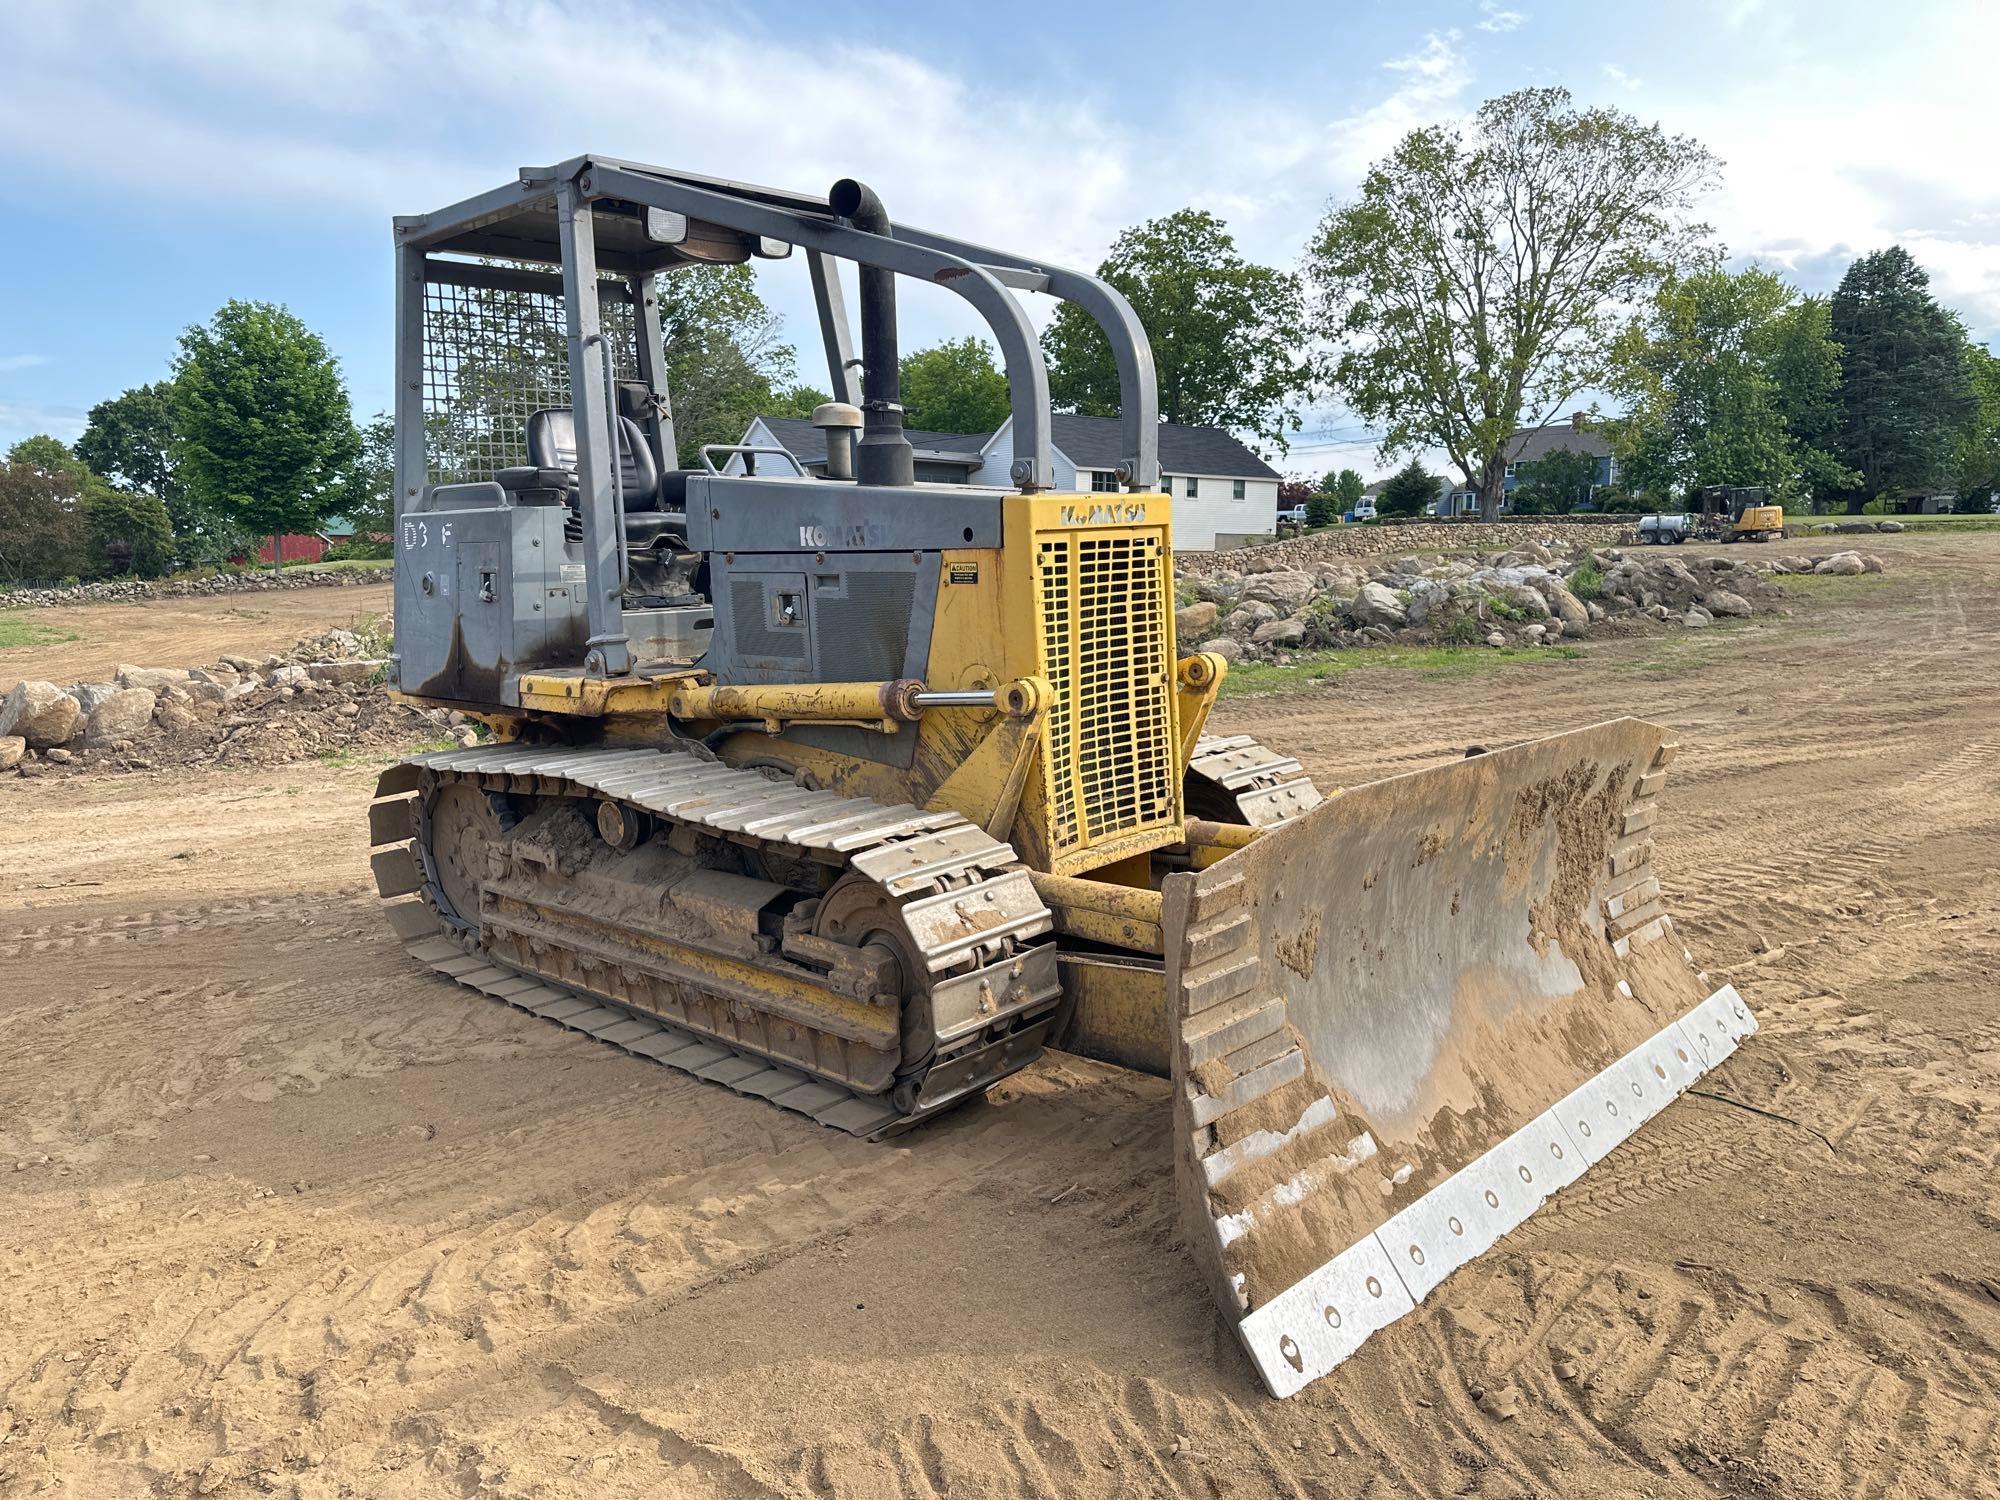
[1224, 494]
[1527, 445]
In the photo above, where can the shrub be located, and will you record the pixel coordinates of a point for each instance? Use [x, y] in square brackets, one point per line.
[359, 549]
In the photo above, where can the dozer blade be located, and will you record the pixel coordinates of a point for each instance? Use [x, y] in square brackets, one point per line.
[1405, 1019]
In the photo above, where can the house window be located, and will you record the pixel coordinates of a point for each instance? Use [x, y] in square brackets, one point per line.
[1103, 480]
[1193, 487]
[1236, 489]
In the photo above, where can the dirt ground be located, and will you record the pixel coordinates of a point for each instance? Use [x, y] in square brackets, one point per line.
[182, 632]
[292, 1217]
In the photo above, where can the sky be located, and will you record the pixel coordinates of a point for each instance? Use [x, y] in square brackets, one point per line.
[158, 159]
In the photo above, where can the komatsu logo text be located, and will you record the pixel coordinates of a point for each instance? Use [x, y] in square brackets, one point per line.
[861, 534]
[1108, 513]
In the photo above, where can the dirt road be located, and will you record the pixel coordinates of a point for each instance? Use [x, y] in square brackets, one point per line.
[294, 1218]
[181, 632]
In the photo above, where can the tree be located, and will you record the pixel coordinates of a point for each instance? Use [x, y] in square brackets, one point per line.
[1714, 374]
[954, 387]
[129, 532]
[1347, 489]
[267, 437]
[130, 440]
[1976, 461]
[1223, 331]
[1905, 396]
[1479, 276]
[370, 498]
[726, 361]
[1408, 491]
[1554, 484]
[41, 515]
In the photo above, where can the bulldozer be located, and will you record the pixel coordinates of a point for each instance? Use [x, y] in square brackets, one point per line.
[854, 791]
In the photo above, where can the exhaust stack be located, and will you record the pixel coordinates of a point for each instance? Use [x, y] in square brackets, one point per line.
[883, 456]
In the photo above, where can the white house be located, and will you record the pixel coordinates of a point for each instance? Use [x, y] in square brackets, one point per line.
[1224, 495]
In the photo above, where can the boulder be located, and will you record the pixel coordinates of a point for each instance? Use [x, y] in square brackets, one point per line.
[1723, 602]
[1224, 647]
[1376, 604]
[1279, 633]
[1284, 590]
[12, 749]
[1566, 607]
[355, 670]
[89, 694]
[1195, 620]
[173, 718]
[1247, 617]
[1841, 564]
[152, 679]
[120, 716]
[40, 713]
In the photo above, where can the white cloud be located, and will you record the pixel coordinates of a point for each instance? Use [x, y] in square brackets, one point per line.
[19, 419]
[1623, 79]
[1496, 18]
[9, 362]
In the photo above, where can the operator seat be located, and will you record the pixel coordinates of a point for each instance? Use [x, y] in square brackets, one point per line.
[552, 465]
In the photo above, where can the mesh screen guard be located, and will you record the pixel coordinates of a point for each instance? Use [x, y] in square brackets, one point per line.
[492, 358]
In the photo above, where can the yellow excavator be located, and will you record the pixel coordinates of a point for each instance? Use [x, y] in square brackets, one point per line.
[854, 790]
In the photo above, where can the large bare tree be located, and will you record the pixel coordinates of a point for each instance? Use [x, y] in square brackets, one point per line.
[1479, 277]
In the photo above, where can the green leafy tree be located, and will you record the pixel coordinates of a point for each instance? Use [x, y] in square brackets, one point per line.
[266, 436]
[727, 361]
[1477, 278]
[130, 440]
[129, 532]
[1714, 374]
[1224, 331]
[1976, 463]
[954, 387]
[42, 534]
[1554, 484]
[1905, 396]
[1408, 491]
[369, 501]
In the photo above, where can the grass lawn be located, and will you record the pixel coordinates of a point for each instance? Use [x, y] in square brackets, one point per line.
[1261, 679]
[19, 630]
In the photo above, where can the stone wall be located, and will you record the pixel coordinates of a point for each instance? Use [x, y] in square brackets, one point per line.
[1418, 536]
[120, 590]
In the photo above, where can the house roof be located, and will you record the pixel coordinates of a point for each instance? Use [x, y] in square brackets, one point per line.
[1527, 445]
[807, 443]
[1088, 442]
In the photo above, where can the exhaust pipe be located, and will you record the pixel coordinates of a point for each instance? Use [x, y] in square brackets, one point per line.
[883, 456]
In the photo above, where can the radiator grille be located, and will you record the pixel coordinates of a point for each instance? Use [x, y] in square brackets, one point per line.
[1110, 762]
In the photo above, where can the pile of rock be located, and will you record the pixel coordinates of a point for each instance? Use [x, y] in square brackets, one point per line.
[325, 694]
[126, 590]
[1529, 596]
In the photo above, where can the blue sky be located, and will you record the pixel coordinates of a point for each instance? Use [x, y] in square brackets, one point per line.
[157, 159]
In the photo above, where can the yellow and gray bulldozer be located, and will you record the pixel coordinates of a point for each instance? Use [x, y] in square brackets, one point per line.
[837, 784]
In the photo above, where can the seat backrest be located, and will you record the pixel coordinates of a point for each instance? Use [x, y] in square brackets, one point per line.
[552, 445]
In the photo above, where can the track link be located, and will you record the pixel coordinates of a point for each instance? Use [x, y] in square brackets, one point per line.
[964, 896]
